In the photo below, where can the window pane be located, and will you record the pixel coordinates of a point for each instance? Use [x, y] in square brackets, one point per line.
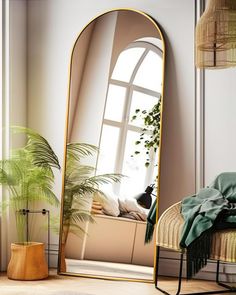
[115, 103]
[133, 167]
[125, 64]
[140, 101]
[153, 168]
[107, 153]
[149, 74]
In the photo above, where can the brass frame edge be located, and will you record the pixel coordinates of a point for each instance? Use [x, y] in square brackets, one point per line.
[157, 26]
[108, 278]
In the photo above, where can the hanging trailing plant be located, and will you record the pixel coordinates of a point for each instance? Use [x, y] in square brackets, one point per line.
[149, 138]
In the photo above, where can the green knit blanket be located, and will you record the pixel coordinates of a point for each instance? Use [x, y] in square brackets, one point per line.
[212, 208]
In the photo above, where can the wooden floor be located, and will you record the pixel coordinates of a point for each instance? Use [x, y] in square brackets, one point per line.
[65, 285]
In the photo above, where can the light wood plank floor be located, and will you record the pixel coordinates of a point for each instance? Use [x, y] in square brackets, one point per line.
[66, 285]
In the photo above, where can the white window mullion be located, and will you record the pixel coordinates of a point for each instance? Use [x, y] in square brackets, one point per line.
[118, 83]
[136, 88]
[112, 123]
[123, 136]
[138, 66]
[147, 91]
[135, 128]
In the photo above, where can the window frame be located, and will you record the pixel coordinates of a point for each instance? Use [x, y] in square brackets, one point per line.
[124, 125]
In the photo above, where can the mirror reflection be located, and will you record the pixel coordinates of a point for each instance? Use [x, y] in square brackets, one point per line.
[112, 150]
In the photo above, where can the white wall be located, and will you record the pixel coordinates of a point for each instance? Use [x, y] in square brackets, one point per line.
[14, 100]
[220, 122]
[18, 62]
[53, 26]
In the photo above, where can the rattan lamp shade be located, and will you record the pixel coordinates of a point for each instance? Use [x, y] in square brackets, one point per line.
[216, 35]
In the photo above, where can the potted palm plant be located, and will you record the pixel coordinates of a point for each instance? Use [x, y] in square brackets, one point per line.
[82, 186]
[28, 177]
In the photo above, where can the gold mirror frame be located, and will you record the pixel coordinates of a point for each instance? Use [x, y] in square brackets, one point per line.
[155, 24]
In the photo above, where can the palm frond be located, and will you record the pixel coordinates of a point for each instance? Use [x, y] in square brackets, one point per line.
[10, 172]
[74, 223]
[4, 205]
[78, 173]
[77, 150]
[81, 187]
[103, 179]
[41, 151]
[81, 216]
[46, 194]
[82, 202]
[100, 196]
[28, 175]
[77, 230]
[54, 223]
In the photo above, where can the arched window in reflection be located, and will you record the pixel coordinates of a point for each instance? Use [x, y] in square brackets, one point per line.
[135, 83]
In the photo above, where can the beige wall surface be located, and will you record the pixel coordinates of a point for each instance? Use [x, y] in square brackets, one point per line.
[220, 122]
[52, 28]
[43, 33]
[14, 99]
[18, 65]
[92, 95]
[78, 61]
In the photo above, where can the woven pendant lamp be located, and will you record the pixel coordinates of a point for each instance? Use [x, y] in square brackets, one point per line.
[216, 35]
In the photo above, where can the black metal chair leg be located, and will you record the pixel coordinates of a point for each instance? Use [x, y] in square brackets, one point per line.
[229, 289]
[157, 264]
[217, 271]
[180, 273]
[157, 269]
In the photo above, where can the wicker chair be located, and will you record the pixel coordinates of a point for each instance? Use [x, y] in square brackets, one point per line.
[168, 232]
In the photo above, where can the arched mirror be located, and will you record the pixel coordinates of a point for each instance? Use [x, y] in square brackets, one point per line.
[112, 148]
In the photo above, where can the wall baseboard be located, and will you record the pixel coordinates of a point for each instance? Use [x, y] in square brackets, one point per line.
[54, 252]
[53, 260]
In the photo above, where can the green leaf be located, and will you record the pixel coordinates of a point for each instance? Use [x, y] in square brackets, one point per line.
[39, 148]
[82, 186]
[151, 120]
[28, 175]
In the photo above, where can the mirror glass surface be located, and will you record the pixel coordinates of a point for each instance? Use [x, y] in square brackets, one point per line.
[112, 147]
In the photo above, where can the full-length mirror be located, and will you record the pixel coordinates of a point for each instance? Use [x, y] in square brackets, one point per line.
[112, 149]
